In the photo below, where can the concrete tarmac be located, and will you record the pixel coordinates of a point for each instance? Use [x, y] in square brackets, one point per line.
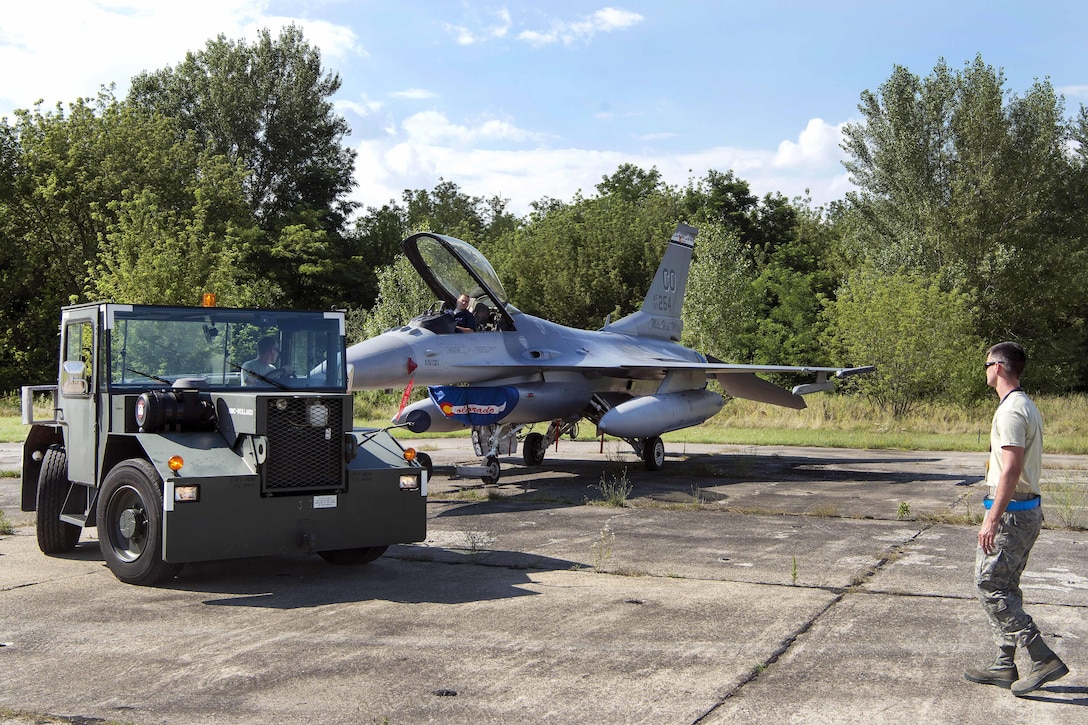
[744, 584]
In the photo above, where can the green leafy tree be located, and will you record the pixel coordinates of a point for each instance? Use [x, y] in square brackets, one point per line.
[63, 176]
[402, 295]
[720, 303]
[797, 278]
[920, 338]
[965, 183]
[590, 258]
[268, 106]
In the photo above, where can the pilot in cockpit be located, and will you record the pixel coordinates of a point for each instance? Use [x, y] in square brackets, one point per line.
[463, 319]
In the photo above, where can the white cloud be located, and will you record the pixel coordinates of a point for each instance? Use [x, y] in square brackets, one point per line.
[58, 51]
[497, 29]
[430, 146]
[818, 145]
[336, 42]
[663, 136]
[414, 94]
[362, 108]
[432, 127]
[582, 30]
[1074, 91]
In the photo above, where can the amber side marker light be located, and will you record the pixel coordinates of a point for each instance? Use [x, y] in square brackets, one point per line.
[409, 454]
[175, 463]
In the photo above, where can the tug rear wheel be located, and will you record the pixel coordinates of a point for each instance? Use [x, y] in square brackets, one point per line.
[54, 536]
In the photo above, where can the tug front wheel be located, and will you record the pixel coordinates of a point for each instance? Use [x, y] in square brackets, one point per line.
[351, 557]
[130, 524]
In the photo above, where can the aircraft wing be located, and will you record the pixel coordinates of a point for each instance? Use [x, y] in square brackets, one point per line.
[738, 380]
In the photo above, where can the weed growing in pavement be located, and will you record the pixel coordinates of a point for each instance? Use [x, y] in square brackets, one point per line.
[1067, 498]
[903, 512]
[793, 574]
[615, 490]
[824, 511]
[602, 547]
[6, 528]
[477, 544]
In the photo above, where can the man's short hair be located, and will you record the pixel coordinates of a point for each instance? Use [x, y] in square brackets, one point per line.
[265, 344]
[1011, 355]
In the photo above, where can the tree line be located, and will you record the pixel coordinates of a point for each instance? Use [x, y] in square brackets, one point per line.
[229, 173]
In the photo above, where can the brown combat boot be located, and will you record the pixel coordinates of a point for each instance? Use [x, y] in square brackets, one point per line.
[1045, 667]
[1002, 672]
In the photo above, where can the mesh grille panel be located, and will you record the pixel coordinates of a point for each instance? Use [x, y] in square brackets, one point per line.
[302, 457]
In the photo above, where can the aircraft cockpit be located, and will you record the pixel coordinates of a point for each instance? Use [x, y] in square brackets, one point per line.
[451, 268]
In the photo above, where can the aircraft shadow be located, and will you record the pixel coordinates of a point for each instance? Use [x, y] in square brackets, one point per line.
[563, 482]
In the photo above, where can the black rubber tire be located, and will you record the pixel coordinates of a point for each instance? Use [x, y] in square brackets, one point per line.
[130, 524]
[494, 471]
[533, 449]
[351, 557]
[54, 536]
[653, 453]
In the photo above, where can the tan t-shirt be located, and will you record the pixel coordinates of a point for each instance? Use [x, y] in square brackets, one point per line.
[1017, 423]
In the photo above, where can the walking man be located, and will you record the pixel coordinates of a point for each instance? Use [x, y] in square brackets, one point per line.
[1013, 519]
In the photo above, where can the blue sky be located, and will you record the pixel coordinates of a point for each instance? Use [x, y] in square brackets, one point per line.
[533, 99]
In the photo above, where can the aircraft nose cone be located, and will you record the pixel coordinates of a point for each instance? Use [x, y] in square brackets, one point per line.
[381, 362]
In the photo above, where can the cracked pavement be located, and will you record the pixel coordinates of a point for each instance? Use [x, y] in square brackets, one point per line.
[754, 584]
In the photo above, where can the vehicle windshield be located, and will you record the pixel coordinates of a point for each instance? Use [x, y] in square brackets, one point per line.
[225, 348]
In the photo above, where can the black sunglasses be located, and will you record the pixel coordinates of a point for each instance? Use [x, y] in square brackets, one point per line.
[992, 363]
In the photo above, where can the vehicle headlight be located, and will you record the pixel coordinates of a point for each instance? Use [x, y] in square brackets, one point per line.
[318, 415]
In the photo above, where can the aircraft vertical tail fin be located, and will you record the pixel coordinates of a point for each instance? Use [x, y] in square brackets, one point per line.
[660, 313]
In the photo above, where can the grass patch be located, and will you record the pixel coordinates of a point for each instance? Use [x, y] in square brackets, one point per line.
[1068, 500]
[830, 420]
[6, 527]
[823, 511]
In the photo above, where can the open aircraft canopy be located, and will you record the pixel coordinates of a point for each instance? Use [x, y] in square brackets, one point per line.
[451, 267]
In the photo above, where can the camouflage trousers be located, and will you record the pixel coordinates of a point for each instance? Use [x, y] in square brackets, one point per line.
[997, 577]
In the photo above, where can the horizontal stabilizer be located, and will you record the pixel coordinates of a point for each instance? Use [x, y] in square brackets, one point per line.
[751, 387]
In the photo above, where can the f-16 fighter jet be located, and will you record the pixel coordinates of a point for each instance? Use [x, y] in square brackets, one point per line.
[632, 378]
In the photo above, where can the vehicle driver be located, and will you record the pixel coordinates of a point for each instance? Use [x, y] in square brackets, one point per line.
[268, 351]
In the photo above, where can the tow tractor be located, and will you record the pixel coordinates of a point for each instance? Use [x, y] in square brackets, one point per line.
[180, 445]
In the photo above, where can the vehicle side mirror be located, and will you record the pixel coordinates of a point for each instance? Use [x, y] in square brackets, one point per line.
[73, 377]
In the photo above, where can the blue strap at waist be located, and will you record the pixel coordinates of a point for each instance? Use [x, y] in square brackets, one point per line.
[1031, 503]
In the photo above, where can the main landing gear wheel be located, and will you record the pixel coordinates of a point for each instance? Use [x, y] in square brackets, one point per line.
[533, 449]
[653, 453]
[54, 536]
[130, 524]
[493, 471]
[350, 557]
